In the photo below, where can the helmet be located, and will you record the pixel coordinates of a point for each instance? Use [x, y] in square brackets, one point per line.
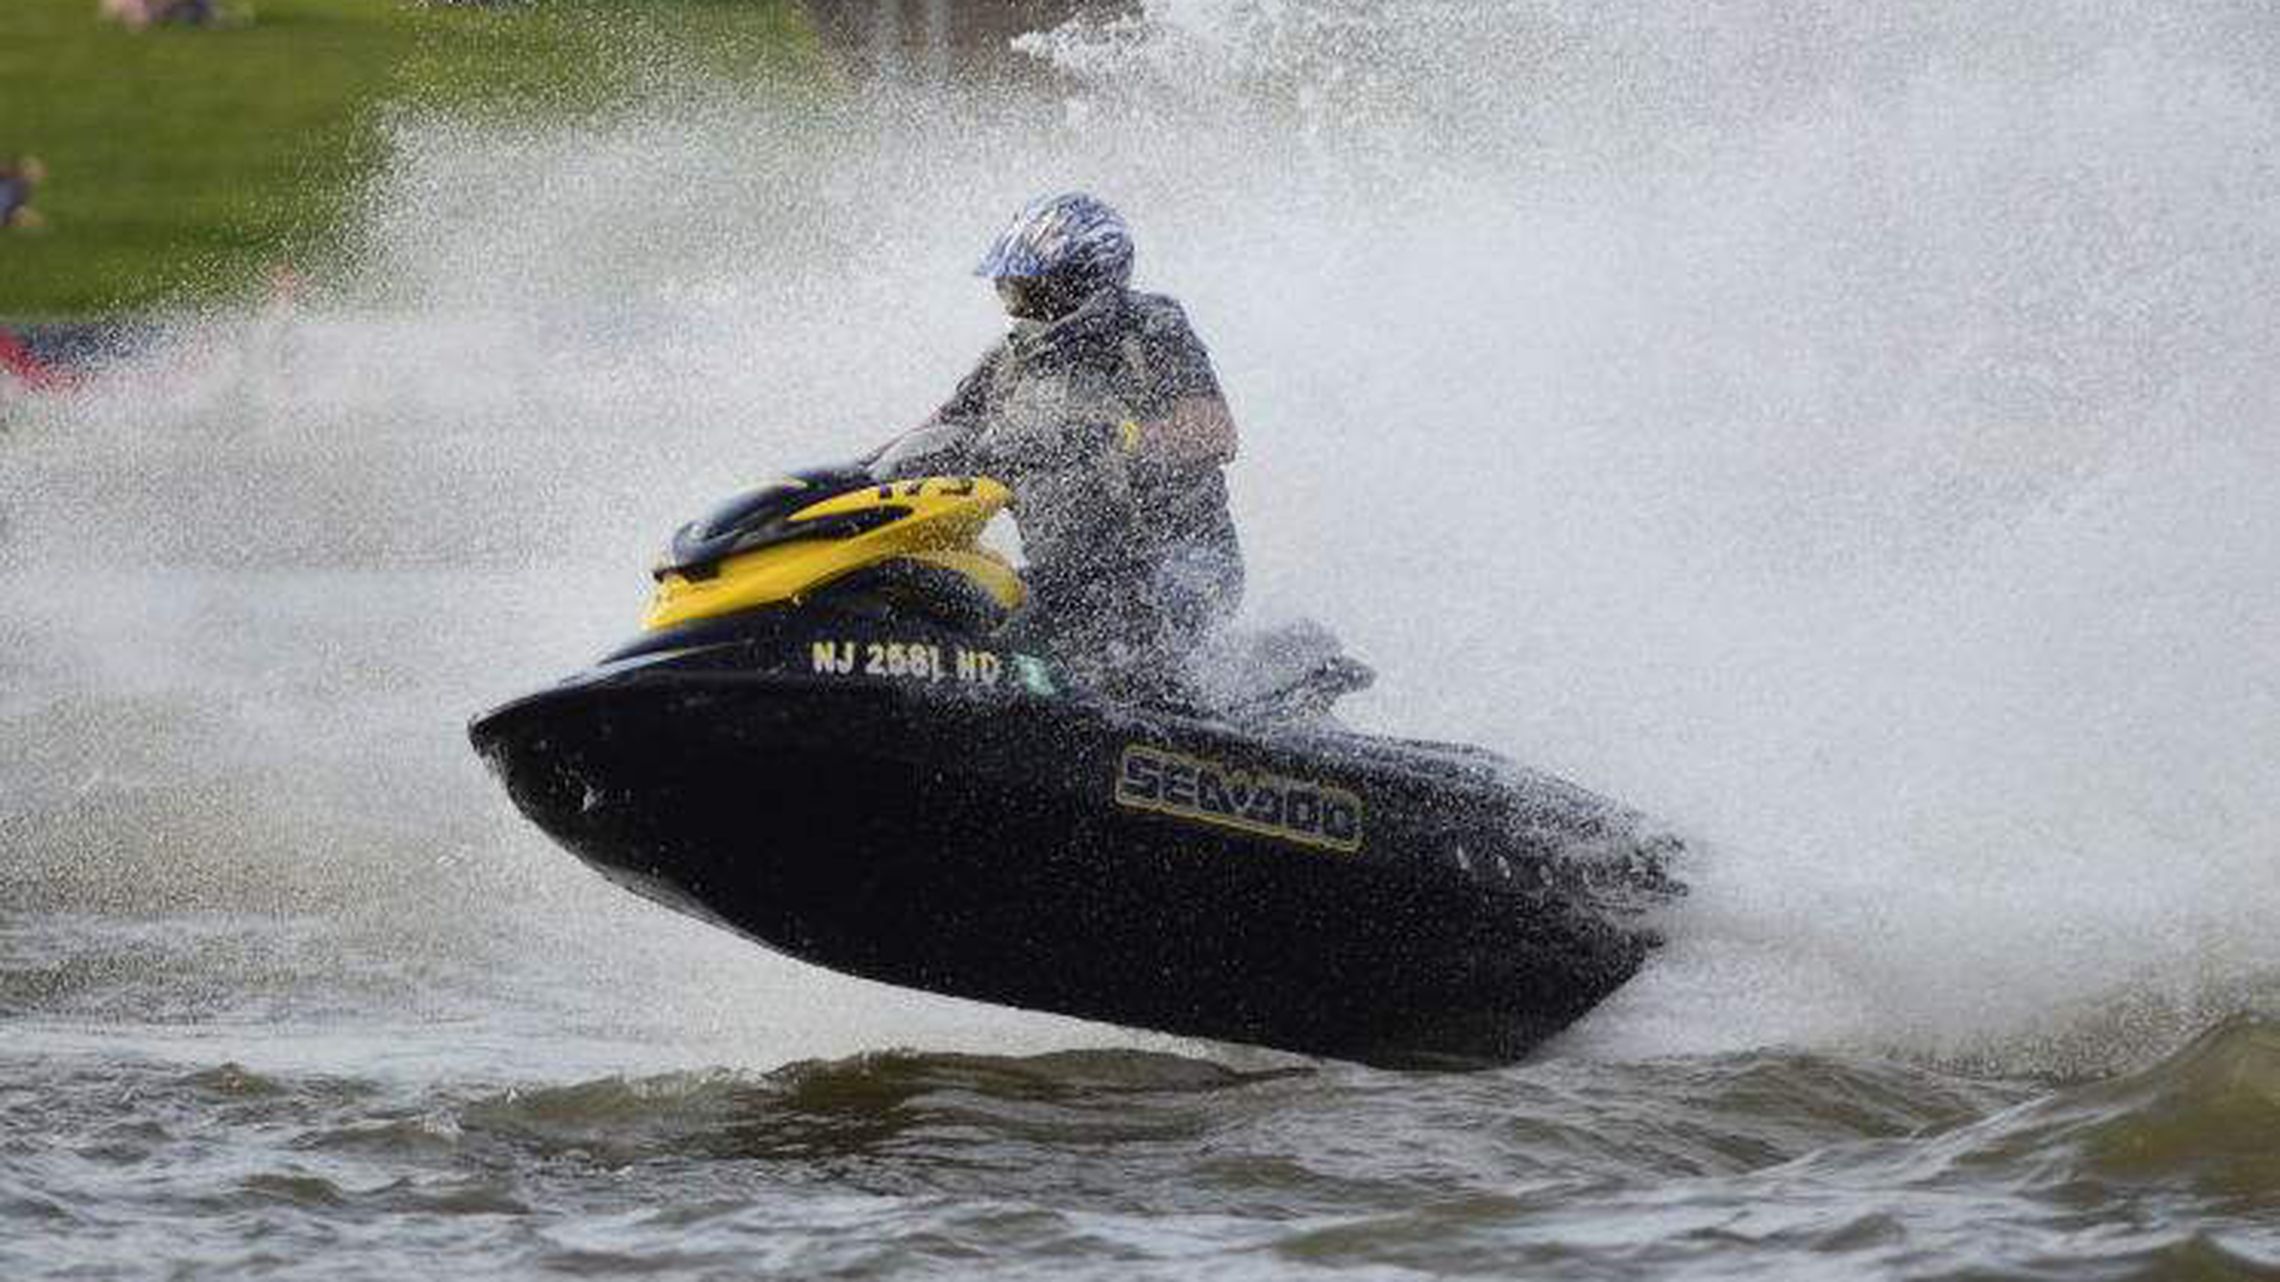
[1057, 251]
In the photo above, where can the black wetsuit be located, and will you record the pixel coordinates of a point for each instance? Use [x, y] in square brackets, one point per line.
[1132, 556]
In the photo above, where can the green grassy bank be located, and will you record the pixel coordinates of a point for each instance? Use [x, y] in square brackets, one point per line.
[187, 163]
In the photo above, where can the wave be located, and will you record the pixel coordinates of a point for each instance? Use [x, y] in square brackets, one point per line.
[2205, 1119]
[1118, 1162]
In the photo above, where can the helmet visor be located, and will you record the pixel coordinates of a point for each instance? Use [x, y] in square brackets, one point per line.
[1029, 297]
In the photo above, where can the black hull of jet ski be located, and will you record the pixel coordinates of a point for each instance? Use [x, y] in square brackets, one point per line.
[1378, 900]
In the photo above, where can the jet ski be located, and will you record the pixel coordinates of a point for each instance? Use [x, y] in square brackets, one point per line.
[837, 736]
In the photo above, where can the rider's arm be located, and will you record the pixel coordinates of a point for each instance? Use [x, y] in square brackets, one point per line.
[940, 443]
[1194, 431]
[1184, 422]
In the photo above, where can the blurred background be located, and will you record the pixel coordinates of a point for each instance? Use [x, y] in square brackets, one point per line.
[158, 151]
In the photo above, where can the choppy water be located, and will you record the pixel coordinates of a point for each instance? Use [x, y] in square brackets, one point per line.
[155, 1152]
[1847, 434]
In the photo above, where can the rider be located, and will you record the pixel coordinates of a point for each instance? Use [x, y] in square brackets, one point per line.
[1099, 409]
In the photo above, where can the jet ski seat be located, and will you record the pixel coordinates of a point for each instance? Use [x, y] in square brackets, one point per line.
[1292, 672]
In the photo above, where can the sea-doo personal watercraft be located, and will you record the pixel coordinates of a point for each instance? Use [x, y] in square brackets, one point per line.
[835, 737]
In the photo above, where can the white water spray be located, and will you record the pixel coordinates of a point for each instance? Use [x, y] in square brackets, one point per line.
[1848, 435]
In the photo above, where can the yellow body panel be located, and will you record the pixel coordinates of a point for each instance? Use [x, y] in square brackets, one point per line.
[944, 519]
[984, 567]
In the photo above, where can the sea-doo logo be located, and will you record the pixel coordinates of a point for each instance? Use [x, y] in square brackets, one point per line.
[1310, 814]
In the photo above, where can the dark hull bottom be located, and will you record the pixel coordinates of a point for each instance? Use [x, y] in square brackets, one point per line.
[971, 846]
